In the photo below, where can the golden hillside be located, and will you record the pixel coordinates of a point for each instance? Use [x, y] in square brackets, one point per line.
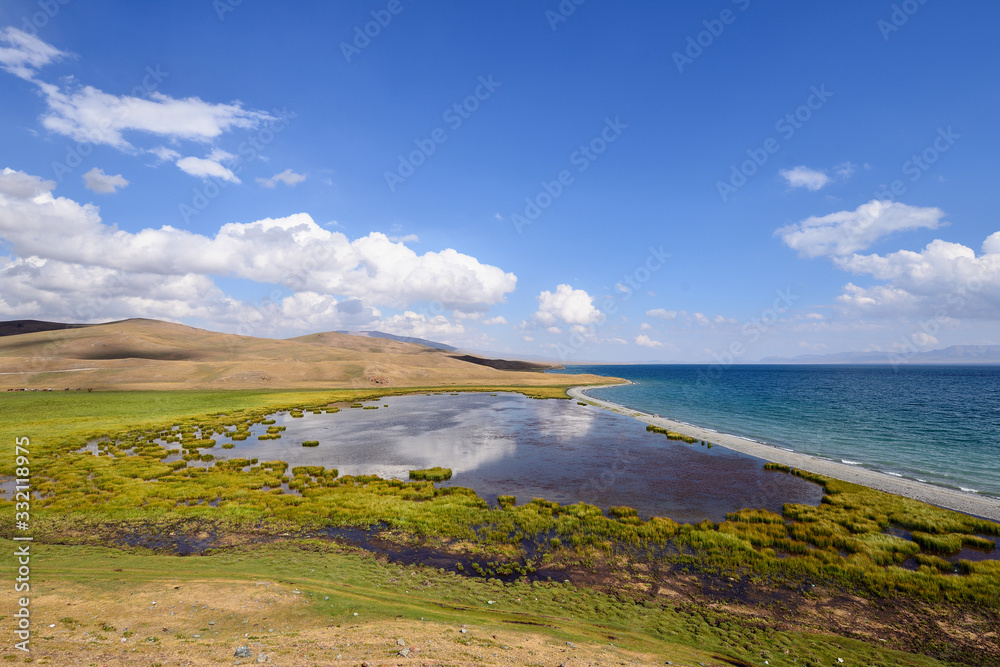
[150, 354]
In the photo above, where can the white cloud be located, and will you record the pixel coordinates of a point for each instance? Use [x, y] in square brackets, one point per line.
[844, 170]
[50, 289]
[499, 319]
[846, 232]
[645, 326]
[102, 183]
[90, 115]
[164, 154]
[944, 277]
[25, 54]
[409, 238]
[646, 341]
[207, 167]
[804, 177]
[19, 185]
[288, 177]
[410, 323]
[573, 306]
[293, 252]
[662, 313]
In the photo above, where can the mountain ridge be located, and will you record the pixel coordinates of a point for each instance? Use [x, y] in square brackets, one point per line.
[955, 354]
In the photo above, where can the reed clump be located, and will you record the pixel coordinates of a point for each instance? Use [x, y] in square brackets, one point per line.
[436, 474]
[671, 435]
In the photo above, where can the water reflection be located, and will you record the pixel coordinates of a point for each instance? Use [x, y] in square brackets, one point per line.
[553, 449]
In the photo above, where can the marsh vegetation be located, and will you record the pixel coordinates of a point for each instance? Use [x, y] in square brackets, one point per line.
[857, 540]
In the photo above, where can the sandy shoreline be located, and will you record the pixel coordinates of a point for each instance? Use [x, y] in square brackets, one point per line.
[968, 503]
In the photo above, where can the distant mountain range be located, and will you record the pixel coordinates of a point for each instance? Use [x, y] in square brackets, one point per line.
[956, 354]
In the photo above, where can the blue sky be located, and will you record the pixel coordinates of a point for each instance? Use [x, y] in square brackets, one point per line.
[712, 181]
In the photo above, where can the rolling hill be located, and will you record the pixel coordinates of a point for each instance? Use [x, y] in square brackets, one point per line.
[150, 354]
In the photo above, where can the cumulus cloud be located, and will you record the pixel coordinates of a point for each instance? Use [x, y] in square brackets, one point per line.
[19, 185]
[646, 341]
[804, 177]
[944, 277]
[572, 306]
[410, 323]
[50, 289]
[499, 319]
[662, 313]
[847, 232]
[288, 177]
[102, 183]
[207, 167]
[293, 252]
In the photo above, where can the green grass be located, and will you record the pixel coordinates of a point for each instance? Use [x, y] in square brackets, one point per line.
[310, 443]
[336, 584]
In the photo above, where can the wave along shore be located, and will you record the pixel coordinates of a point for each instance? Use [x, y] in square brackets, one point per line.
[981, 506]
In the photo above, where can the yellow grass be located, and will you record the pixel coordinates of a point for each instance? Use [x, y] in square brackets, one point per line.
[149, 354]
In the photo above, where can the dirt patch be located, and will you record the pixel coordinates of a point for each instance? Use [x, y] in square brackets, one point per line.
[173, 623]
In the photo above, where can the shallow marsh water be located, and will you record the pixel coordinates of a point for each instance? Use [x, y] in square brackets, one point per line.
[528, 448]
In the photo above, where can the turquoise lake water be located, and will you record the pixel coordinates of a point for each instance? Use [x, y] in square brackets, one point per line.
[938, 424]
